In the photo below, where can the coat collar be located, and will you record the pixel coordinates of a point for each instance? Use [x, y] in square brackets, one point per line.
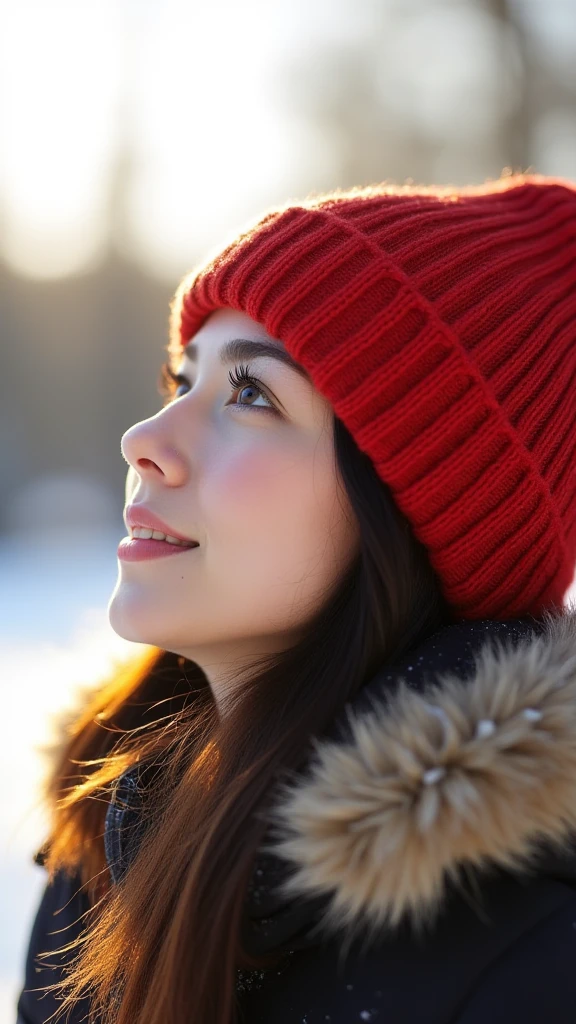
[462, 755]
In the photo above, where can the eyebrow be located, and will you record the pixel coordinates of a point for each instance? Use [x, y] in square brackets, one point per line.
[243, 348]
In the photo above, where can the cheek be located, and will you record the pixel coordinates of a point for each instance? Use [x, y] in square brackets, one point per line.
[277, 503]
[242, 492]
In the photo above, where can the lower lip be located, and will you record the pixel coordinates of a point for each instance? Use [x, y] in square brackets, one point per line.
[136, 550]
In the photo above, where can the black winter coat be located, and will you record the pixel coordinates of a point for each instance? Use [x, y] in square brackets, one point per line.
[444, 797]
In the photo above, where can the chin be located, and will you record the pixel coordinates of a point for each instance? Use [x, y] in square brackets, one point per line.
[130, 623]
[122, 626]
[125, 620]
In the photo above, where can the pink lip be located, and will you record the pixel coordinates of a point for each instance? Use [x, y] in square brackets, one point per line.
[138, 550]
[139, 515]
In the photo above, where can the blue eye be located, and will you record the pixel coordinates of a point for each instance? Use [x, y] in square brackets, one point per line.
[240, 379]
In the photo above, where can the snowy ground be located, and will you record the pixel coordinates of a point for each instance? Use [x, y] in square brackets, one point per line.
[54, 637]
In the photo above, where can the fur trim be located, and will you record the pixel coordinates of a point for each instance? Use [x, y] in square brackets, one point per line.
[463, 773]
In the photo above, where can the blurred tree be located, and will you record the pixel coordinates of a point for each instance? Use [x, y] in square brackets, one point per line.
[450, 92]
[81, 358]
[548, 85]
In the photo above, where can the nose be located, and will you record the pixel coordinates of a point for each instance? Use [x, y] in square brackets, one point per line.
[148, 451]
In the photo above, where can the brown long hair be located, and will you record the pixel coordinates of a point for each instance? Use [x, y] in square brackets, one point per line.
[164, 943]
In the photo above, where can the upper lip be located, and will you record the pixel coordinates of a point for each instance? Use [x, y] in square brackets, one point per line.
[139, 515]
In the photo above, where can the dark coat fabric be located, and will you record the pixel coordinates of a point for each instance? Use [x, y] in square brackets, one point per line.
[422, 870]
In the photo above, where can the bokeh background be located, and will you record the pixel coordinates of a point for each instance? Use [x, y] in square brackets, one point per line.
[135, 137]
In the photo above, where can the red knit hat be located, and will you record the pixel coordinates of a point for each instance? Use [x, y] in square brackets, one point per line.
[440, 323]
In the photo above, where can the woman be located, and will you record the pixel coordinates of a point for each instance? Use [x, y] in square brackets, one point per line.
[341, 783]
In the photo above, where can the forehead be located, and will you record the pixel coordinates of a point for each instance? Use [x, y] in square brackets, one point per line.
[224, 322]
[233, 337]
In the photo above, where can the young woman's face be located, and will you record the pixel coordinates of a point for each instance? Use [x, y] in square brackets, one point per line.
[251, 476]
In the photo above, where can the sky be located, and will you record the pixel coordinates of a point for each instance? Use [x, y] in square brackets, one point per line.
[185, 89]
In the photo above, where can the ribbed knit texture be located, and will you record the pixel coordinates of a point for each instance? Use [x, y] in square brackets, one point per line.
[440, 323]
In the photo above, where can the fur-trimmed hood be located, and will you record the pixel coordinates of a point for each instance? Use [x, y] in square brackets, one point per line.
[462, 756]
[455, 761]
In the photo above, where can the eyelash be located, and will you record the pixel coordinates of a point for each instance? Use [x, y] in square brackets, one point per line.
[239, 378]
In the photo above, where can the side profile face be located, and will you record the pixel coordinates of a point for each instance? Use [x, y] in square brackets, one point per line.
[250, 474]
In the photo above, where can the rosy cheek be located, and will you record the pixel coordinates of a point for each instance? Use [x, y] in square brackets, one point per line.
[257, 487]
[244, 480]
